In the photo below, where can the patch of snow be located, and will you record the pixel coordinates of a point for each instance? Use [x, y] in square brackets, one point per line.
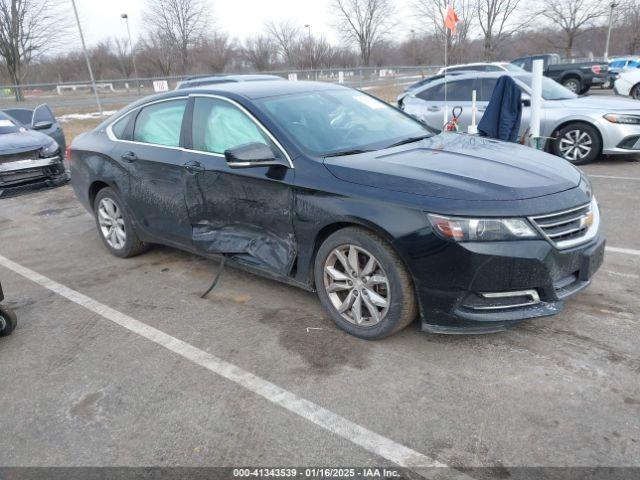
[84, 116]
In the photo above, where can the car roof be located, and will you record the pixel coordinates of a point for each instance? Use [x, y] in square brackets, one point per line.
[262, 89]
[227, 78]
[470, 74]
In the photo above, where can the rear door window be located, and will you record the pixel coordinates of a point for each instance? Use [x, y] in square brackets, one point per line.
[460, 90]
[160, 123]
[486, 89]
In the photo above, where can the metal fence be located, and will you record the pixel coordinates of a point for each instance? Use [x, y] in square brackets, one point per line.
[118, 91]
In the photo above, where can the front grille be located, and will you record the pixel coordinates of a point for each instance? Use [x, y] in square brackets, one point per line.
[569, 227]
[16, 157]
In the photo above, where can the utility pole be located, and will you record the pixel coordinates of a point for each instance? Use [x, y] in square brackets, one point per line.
[133, 55]
[308, 27]
[86, 57]
[606, 48]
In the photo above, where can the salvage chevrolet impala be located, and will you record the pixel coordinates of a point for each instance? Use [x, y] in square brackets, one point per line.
[332, 190]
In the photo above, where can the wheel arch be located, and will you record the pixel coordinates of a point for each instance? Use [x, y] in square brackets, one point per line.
[330, 228]
[98, 185]
[566, 122]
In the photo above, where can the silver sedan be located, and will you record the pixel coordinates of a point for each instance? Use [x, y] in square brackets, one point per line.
[578, 128]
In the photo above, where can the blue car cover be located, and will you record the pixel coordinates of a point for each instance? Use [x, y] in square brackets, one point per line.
[501, 119]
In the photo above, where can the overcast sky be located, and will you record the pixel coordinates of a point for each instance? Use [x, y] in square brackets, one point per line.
[240, 18]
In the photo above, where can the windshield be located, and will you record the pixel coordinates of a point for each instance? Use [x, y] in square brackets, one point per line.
[7, 125]
[551, 90]
[334, 121]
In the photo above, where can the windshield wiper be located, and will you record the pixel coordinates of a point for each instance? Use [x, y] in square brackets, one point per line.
[346, 152]
[408, 140]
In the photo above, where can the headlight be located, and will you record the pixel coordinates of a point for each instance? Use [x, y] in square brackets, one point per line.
[50, 150]
[461, 229]
[625, 119]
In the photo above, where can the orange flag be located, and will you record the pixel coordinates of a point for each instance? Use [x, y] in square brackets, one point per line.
[451, 19]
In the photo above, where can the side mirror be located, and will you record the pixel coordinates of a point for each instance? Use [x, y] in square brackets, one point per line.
[44, 125]
[249, 155]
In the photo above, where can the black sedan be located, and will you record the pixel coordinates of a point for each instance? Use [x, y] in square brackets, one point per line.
[28, 156]
[332, 190]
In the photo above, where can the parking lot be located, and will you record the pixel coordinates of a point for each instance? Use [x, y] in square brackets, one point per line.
[120, 362]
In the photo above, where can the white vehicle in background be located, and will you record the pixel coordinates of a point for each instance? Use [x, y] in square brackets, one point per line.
[628, 83]
[483, 67]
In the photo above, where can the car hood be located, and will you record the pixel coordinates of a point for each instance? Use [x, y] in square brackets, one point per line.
[460, 167]
[22, 141]
[606, 104]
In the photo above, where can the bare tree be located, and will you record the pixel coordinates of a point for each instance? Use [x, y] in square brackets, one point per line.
[572, 17]
[158, 53]
[286, 35]
[497, 21]
[260, 52]
[216, 52]
[628, 23]
[120, 50]
[27, 28]
[181, 22]
[364, 22]
[433, 13]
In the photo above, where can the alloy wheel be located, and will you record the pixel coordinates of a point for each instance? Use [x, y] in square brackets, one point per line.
[111, 223]
[575, 145]
[572, 85]
[357, 285]
[3, 323]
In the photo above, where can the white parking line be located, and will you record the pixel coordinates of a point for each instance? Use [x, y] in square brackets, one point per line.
[326, 419]
[614, 177]
[628, 251]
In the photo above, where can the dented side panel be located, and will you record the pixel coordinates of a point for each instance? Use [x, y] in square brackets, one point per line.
[244, 213]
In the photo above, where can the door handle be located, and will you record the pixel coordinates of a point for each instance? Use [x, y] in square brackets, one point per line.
[129, 157]
[193, 167]
[433, 109]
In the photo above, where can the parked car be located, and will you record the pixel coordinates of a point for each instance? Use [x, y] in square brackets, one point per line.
[628, 84]
[577, 77]
[579, 129]
[8, 318]
[329, 189]
[28, 156]
[482, 67]
[41, 119]
[617, 65]
[199, 81]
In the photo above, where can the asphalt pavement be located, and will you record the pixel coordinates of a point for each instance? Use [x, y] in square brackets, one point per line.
[119, 362]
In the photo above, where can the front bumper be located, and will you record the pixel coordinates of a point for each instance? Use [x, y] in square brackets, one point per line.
[472, 270]
[23, 172]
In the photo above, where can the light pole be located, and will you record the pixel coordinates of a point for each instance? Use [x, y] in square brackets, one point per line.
[86, 57]
[133, 55]
[308, 27]
[606, 48]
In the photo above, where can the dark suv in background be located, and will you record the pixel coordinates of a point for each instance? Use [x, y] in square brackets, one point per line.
[577, 77]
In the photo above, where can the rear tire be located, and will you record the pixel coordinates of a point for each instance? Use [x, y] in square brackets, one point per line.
[635, 92]
[572, 83]
[8, 321]
[357, 270]
[578, 143]
[115, 226]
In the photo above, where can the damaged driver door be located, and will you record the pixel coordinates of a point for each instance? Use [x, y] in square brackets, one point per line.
[240, 209]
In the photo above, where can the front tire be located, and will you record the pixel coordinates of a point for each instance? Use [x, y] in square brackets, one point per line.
[578, 143]
[363, 284]
[8, 321]
[115, 226]
[635, 92]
